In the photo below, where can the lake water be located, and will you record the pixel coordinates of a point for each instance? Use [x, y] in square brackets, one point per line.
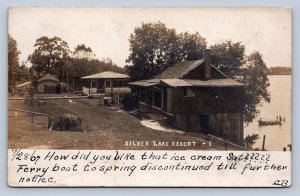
[277, 136]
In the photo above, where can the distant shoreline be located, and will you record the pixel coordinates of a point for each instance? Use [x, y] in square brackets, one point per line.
[279, 74]
[279, 71]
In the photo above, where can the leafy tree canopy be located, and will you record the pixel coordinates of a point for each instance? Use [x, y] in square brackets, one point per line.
[152, 48]
[228, 57]
[191, 46]
[81, 51]
[49, 56]
[254, 75]
[52, 55]
[13, 62]
[16, 73]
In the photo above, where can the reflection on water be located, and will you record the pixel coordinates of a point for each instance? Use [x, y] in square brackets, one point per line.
[277, 136]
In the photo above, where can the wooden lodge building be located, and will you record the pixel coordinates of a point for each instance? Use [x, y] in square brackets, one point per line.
[48, 84]
[195, 96]
[108, 83]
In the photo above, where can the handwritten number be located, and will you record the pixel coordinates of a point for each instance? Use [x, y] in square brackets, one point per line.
[19, 155]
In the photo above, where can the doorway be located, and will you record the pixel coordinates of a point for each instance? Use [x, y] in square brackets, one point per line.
[204, 123]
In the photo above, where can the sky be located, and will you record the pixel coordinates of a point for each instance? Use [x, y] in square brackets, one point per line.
[106, 30]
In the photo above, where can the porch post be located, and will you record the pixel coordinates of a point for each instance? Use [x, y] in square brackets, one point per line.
[139, 93]
[112, 88]
[152, 97]
[146, 95]
[162, 97]
[90, 88]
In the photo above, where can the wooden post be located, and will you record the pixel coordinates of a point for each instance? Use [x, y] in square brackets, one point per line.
[225, 145]
[90, 89]
[284, 149]
[73, 85]
[290, 146]
[162, 97]
[111, 87]
[152, 97]
[139, 93]
[263, 145]
[146, 95]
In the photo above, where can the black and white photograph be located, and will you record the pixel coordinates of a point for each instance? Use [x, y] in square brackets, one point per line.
[151, 79]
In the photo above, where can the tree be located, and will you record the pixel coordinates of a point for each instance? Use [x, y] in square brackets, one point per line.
[13, 62]
[81, 52]
[23, 73]
[50, 56]
[254, 75]
[251, 70]
[250, 140]
[228, 57]
[191, 46]
[153, 47]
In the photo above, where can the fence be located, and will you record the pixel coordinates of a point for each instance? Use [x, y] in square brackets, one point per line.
[23, 119]
[227, 144]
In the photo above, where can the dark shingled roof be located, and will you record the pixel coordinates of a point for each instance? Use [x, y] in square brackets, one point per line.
[179, 69]
[173, 76]
[215, 83]
[176, 82]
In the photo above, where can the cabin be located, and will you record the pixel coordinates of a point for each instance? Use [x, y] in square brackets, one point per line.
[23, 88]
[48, 84]
[195, 96]
[109, 83]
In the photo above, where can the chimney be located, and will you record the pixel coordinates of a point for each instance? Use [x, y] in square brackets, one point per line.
[207, 58]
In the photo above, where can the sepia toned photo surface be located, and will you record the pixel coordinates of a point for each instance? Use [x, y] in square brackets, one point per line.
[150, 80]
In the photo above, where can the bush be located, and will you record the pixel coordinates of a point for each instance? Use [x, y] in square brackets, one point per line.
[129, 102]
[250, 140]
[66, 122]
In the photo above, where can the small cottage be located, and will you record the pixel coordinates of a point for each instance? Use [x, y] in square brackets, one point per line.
[48, 84]
[109, 83]
[23, 88]
[195, 96]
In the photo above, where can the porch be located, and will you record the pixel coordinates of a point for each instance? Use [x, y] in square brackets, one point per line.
[153, 95]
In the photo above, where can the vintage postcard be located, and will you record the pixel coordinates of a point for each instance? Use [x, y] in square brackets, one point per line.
[151, 97]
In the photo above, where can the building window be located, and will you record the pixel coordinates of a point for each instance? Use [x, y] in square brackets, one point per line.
[107, 84]
[94, 84]
[116, 83]
[189, 92]
[121, 84]
[86, 84]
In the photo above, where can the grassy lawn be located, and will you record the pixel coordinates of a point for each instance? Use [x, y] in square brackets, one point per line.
[102, 128]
